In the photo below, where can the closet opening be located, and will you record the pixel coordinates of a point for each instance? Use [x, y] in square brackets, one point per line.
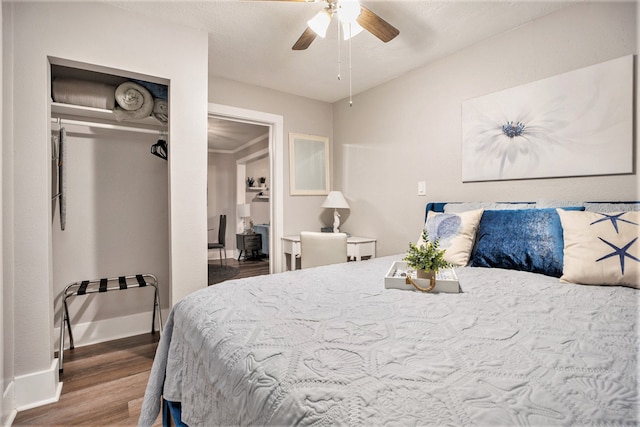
[110, 196]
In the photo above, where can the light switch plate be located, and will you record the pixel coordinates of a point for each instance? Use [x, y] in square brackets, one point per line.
[422, 188]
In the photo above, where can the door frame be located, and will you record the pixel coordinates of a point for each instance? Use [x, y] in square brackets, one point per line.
[275, 123]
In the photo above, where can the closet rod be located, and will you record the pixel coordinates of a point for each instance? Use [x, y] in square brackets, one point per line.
[105, 126]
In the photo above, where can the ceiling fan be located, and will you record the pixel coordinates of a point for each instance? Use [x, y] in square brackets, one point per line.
[352, 15]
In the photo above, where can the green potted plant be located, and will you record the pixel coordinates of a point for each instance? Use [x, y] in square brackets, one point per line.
[426, 258]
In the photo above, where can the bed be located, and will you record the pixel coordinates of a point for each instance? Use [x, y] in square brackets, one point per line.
[331, 346]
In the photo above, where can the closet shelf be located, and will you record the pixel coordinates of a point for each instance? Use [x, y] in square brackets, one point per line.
[79, 112]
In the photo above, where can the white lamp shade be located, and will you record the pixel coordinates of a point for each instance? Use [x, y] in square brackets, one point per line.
[335, 200]
[244, 210]
[320, 23]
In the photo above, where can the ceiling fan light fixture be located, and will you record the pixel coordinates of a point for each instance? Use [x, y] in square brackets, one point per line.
[350, 29]
[348, 10]
[320, 23]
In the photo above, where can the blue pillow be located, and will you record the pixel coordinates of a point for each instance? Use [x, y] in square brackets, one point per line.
[521, 239]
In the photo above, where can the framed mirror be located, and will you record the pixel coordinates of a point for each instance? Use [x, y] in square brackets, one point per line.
[308, 164]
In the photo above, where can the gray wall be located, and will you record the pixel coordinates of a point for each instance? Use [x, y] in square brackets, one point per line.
[409, 129]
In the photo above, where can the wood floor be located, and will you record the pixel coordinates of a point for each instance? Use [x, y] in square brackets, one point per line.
[248, 268]
[104, 384]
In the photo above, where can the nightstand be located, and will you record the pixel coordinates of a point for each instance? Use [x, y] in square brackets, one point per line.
[249, 243]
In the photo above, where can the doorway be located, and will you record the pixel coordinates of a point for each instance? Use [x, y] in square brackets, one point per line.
[273, 149]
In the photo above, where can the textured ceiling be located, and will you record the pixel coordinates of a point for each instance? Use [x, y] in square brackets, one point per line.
[226, 136]
[250, 40]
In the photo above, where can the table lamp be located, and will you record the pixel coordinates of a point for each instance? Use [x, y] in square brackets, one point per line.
[335, 200]
[244, 212]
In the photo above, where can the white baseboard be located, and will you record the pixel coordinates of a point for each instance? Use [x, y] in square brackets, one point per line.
[37, 388]
[10, 418]
[41, 388]
[8, 402]
[108, 329]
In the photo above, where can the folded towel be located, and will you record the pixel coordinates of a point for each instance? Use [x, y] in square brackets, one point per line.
[134, 102]
[83, 92]
[161, 110]
[157, 90]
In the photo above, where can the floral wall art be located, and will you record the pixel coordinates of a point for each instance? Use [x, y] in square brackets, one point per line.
[574, 124]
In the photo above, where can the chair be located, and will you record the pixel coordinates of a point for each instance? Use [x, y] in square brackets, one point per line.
[322, 248]
[220, 245]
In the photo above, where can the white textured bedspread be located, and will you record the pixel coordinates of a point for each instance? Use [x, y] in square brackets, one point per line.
[332, 346]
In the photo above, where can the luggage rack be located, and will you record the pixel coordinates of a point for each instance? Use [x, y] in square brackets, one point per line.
[86, 287]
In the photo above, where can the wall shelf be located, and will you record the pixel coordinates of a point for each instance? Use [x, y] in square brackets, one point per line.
[80, 112]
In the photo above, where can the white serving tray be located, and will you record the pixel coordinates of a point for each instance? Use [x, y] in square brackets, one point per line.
[446, 279]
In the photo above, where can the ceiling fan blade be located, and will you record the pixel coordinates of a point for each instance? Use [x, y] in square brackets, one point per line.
[305, 39]
[376, 25]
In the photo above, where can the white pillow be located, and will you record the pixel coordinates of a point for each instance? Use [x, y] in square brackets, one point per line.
[601, 248]
[611, 207]
[456, 232]
[548, 204]
[469, 206]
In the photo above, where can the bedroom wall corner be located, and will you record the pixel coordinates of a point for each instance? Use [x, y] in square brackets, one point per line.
[411, 127]
[174, 53]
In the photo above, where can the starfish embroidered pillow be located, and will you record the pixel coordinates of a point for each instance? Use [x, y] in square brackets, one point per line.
[601, 248]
